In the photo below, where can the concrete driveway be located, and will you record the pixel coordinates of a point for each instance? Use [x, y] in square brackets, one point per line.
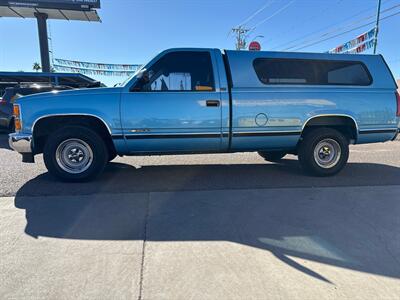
[203, 227]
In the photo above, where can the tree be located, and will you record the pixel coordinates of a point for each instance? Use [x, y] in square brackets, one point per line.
[36, 66]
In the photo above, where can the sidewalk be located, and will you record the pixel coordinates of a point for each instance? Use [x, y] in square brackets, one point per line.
[297, 243]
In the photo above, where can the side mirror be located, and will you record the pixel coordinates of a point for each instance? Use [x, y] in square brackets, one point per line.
[142, 78]
[142, 73]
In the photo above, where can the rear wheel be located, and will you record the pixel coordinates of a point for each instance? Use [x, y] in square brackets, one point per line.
[323, 152]
[272, 156]
[75, 153]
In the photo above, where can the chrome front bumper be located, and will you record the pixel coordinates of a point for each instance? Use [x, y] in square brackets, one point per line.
[397, 138]
[20, 142]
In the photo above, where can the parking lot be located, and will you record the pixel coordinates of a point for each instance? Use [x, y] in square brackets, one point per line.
[202, 227]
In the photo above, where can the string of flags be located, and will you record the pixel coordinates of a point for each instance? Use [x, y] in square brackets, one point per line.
[97, 66]
[90, 68]
[91, 71]
[361, 48]
[357, 45]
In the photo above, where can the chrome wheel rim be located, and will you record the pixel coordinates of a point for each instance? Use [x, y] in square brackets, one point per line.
[327, 153]
[74, 156]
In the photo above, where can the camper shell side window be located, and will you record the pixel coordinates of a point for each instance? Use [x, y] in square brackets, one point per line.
[272, 71]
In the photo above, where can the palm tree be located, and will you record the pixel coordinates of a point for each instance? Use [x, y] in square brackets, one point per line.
[36, 66]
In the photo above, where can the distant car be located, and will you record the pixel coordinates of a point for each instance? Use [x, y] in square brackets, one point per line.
[13, 93]
[74, 80]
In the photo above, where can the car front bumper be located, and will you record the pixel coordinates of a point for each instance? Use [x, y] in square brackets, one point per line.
[20, 142]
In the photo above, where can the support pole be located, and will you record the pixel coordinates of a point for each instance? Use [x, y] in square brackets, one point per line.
[43, 41]
[378, 16]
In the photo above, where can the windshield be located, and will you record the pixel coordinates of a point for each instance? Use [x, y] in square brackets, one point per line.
[144, 66]
[125, 82]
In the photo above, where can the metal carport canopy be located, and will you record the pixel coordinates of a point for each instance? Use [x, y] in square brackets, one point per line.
[43, 10]
[59, 10]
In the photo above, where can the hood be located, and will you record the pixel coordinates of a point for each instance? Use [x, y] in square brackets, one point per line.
[70, 93]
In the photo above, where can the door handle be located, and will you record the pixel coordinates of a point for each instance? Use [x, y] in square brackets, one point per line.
[212, 103]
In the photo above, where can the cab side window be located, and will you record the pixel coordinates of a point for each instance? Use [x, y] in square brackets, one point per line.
[179, 71]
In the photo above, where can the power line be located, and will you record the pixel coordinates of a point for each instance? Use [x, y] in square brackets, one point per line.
[313, 17]
[273, 15]
[248, 19]
[339, 28]
[327, 28]
[242, 33]
[315, 32]
[340, 34]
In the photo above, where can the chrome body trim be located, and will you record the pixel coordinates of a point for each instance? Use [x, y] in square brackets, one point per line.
[379, 130]
[21, 143]
[270, 132]
[330, 115]
[71, 114]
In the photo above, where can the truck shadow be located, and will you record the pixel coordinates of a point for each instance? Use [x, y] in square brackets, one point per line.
[353, 228]
[126, 178]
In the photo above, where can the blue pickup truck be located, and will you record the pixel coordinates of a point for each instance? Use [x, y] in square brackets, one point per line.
[188, 101]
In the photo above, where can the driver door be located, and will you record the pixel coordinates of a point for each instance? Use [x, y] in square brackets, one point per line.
[174, 107]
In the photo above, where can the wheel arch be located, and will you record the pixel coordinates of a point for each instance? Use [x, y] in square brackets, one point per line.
[43, 126]
[344, 123]
[71, 115]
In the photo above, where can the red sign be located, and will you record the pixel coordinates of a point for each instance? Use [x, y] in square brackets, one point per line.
[254, 46]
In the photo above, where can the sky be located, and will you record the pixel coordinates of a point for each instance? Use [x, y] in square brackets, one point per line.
[133, 31]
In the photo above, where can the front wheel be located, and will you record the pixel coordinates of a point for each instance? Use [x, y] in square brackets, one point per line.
[75, 153]
[323, 152]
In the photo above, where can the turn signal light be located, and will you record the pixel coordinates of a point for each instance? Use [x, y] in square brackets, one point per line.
[16, 111]
[17, 124]
[17, 117]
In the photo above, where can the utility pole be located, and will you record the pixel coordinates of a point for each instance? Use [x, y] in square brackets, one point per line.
[378, 15]
[240, 37]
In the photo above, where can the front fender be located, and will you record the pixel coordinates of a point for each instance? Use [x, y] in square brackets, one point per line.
[104, 106]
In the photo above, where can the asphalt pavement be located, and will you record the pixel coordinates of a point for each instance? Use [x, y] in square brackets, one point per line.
[221, 226]
[369, 165]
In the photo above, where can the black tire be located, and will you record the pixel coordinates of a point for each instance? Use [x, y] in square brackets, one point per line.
[56, 158]
[273, 156]
[330, 158]
[11, 126]
[111, 155]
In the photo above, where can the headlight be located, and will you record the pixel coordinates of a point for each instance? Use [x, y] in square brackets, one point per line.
[17, 117]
